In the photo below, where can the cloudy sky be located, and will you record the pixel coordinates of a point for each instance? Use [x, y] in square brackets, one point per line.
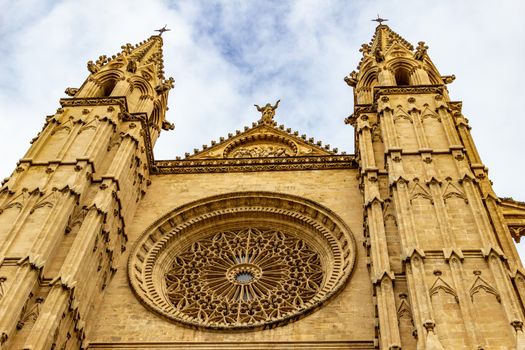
[227, 55]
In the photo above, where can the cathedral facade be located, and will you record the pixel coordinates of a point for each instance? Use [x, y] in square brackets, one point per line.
[266, 238]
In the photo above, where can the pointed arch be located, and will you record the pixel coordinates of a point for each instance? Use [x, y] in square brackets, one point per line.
[141, 93]
[481, 285]
[428, 113]
[440, 284]
[106, 81]
[369, 78]
[142, 84]
[400, 113]
[402, 69]
[452, 190]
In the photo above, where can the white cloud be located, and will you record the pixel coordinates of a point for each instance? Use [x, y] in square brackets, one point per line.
[228, 55]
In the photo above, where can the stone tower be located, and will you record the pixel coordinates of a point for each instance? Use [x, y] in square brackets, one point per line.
[65, 209]
[264, 239]
[435, 231]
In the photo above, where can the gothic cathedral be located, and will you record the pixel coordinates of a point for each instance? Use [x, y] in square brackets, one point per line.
[266, 238]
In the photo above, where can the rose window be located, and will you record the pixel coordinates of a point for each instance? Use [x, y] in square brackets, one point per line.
[241, 261]
[243, 277]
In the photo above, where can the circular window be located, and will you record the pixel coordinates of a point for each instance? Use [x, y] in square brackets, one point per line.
[244, 260]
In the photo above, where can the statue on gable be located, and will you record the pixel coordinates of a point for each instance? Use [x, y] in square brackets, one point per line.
[268, 111]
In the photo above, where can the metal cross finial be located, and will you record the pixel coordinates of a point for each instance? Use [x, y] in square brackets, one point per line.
[162, 30]
[379, 20]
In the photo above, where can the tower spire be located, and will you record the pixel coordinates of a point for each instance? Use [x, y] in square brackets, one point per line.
[390, 60]
[147, 53]
[136, 73]
[384, 37]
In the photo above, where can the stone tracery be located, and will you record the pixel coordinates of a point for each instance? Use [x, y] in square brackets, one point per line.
[244, 276]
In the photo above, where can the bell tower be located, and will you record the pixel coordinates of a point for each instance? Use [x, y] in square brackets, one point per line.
[65, 209]
[445, 271]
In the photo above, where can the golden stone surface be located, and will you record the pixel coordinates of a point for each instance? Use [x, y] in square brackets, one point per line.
[402, 245]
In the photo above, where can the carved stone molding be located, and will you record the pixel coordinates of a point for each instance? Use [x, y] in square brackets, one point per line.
[254, 164]
[241, 260]
[261, 151]
[407, 90]
[234, 149]
[94, 101]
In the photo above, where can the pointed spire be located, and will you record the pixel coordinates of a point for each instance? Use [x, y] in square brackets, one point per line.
[146, 53]
[384, 37]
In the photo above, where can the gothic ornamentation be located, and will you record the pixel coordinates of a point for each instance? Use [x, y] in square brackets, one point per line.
[421, 51]
[260, 151]
[261, 145]
[404, 310]
[448, 79]
[95, 67]
[94, 101]
[267, 112]
[166, 85]
[241, 260]
[2, 286]
[71, 91]
[262, 164]
[244, 277]
[441, 285]
[351, 79]
[481, 285]
[166, 125]
[409, 90]
[30, 314]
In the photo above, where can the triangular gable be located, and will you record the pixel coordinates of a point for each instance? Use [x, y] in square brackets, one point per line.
[398, 50]
[263, 140]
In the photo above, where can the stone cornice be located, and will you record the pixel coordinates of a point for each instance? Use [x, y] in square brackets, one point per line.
[95, 101]
[402, 90]
[254, 164]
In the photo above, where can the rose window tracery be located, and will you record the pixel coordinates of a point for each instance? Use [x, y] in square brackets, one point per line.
[242, 260]
[243, 276]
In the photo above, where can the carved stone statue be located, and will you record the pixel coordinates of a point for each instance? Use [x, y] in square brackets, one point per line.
[71, 91]
[132, 66]
[421, 51]
[379, 56]
[165, 85]
[448, 79]
[92, 68]
[268, 111]
[351, 79]
[166, 125]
